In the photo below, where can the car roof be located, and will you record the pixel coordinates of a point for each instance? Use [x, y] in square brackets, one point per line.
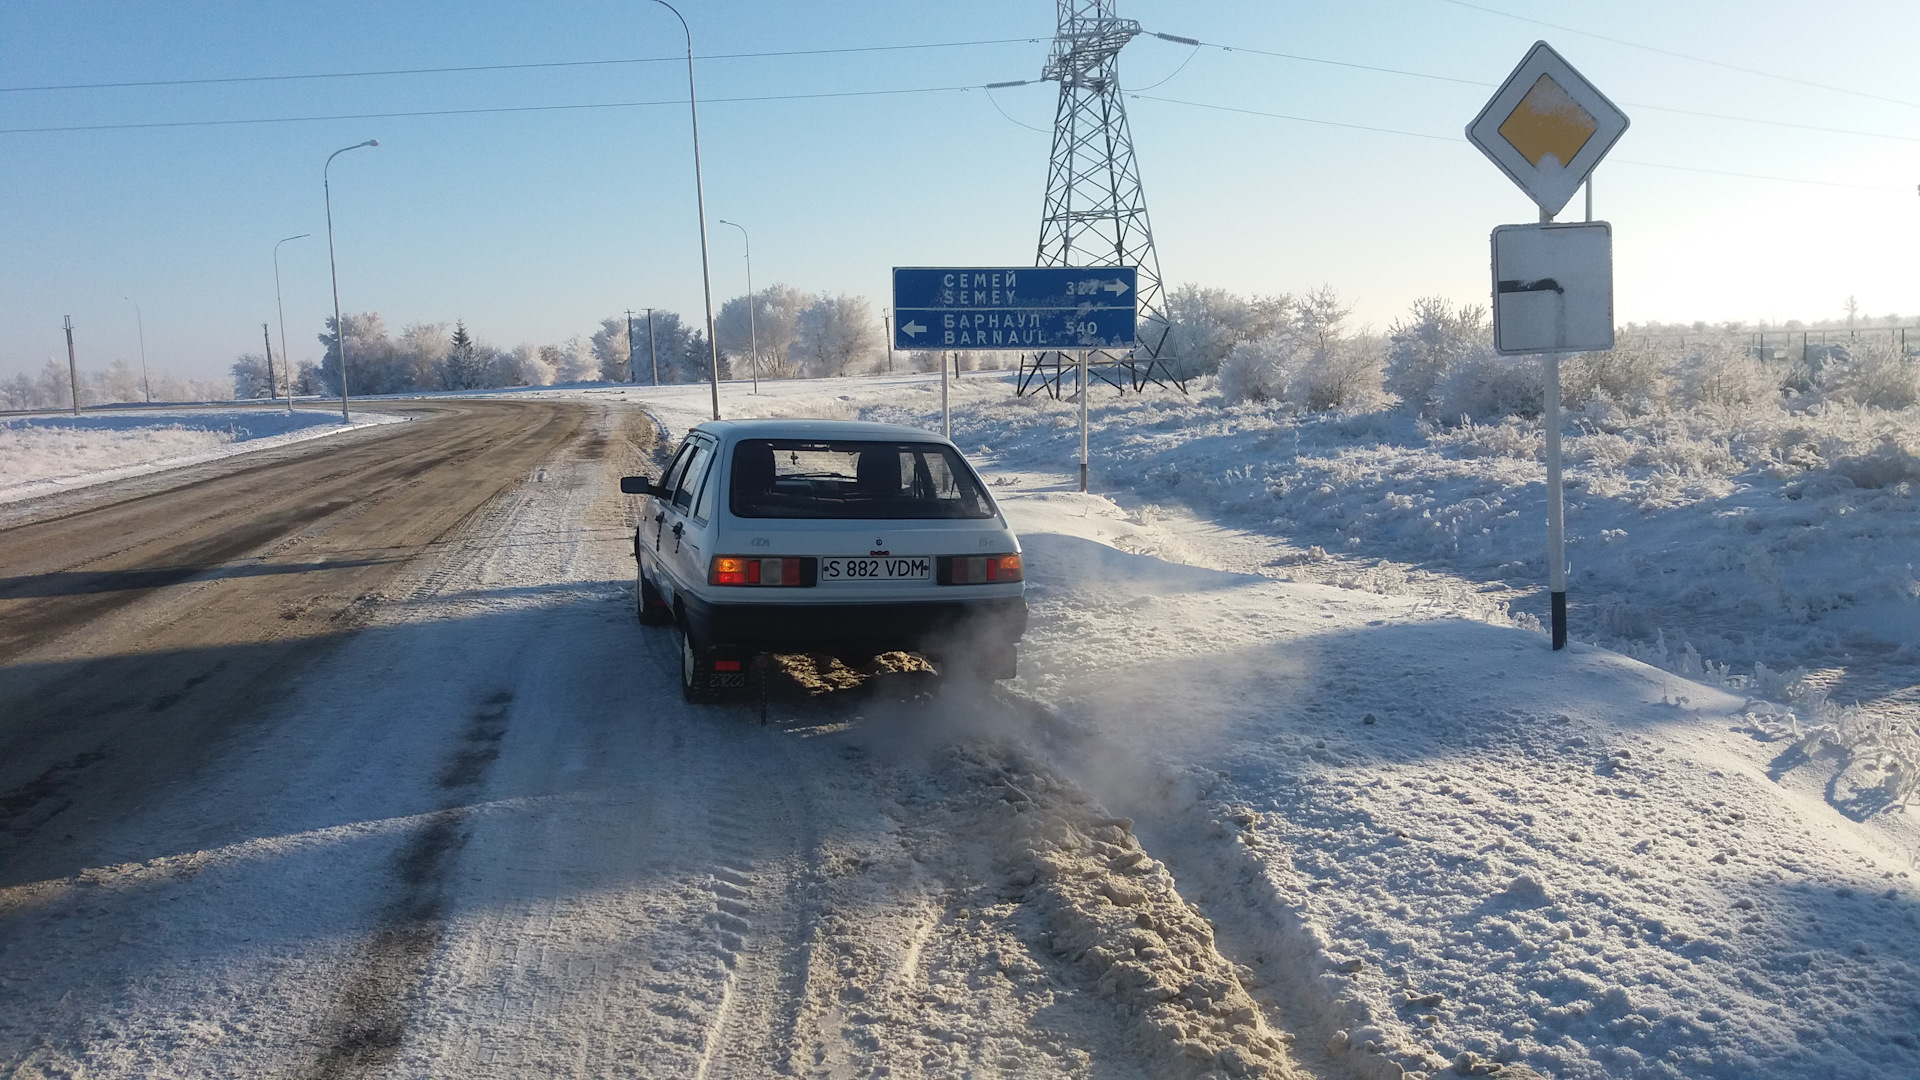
[800, 428]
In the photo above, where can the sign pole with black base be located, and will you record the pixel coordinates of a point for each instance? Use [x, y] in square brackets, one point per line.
[1083, 420]
[1556, 507]
[1546, 128]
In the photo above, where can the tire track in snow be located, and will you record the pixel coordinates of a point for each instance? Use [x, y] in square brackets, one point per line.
[369, 1019]
[760, 910]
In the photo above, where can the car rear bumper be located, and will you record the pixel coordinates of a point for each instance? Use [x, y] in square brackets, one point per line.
[859, 629]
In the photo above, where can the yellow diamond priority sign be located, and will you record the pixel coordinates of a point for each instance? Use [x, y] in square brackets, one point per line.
[1547, 127]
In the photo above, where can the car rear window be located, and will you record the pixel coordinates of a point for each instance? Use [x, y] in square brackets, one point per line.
[787, 478]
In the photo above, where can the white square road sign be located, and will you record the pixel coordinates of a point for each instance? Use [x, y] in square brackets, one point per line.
[1553, 288]
[1547, 127]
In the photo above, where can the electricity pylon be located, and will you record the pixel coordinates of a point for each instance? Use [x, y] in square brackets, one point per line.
[1095, 212]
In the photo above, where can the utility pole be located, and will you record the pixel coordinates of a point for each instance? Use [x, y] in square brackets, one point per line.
[273, 384]
[145, 380]
[652, 352]
[73, 368]
[631, 376]
[887, 321]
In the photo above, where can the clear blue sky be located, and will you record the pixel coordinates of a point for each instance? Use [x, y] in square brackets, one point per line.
[532, 226]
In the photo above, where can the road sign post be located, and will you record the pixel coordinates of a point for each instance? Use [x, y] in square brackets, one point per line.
[1084, 395]
[1015, 309]
[1546, 128]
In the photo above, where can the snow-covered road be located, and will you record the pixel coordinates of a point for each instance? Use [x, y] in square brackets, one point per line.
[482, 836]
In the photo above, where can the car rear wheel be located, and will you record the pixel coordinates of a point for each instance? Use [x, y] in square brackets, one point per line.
[653, 610]
[696, 671]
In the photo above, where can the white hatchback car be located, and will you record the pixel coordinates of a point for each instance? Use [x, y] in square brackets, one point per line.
[825, 536]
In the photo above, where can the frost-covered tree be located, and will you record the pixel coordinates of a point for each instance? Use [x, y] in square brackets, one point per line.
[306, 379]
[838, 336]
[670, 344]
[370, 367]
[1431, 341]
[250, 377]
[1205, 324]
[574, 361]
[465, 366]
[418, 355]
[121, 382]
[1321, 316]
[524, 365]
[775, 327]
[610, 350]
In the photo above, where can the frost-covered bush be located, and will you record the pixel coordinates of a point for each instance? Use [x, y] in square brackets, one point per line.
[1205, 324]
[1877, 375]
[1424, 347]
[1632, 375]
[1720, 373]
[1336, 373]
[1485, 385]
[1263, 369]
[1887, 465]
[1342, 374]
[1509, 437]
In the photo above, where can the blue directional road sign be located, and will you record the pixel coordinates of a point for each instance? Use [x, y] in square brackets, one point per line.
[1021, 308]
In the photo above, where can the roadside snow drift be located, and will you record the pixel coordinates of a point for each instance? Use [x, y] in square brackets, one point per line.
[42, 454]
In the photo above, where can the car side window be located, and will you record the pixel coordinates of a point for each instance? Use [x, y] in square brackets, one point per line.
[703, 506]
[671, 478]
[696, 470]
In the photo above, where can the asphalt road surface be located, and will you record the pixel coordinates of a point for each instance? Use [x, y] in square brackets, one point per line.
[350, 759]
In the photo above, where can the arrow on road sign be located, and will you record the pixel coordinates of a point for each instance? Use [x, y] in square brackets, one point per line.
[1116, 287]
[913, 329]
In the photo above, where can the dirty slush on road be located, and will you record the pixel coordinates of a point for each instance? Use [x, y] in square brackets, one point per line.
[480, 834]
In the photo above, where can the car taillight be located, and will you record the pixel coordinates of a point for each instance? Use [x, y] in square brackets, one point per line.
[744, 570]
[979, 569]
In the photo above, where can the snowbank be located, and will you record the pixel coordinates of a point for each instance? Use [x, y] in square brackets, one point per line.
[1442, 846]
[43, 454]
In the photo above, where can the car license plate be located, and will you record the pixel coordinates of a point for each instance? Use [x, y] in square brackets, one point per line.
[876, 569]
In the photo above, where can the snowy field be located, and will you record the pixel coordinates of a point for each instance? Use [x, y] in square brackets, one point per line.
[1302, 654]
[43, 454]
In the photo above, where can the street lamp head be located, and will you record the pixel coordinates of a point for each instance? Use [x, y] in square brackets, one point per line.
[371, 142]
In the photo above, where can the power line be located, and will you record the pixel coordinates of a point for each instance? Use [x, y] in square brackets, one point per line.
[513, 67]
[480, 112]
[989, 87]
[1297, 119]
[1682, 56]
[1477, 82]
[1459, 140]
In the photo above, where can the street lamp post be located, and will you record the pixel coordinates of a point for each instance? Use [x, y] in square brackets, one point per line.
[333, 269]
[753, 335]
[700, 202]
[653, 354]
[146, 384]
[285, 357]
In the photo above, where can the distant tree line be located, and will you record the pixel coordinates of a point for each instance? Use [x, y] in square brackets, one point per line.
[1438, 362]
[798, 335]
[119, 381]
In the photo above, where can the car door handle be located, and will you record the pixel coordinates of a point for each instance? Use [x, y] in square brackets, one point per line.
[678, 528]
[659, 517]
